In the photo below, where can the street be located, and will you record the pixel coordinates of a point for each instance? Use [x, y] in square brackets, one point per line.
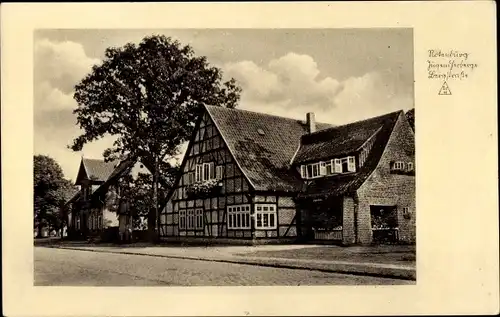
[59, 267]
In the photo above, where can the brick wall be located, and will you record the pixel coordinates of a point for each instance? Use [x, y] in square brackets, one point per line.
[348, 229]
[385, 188]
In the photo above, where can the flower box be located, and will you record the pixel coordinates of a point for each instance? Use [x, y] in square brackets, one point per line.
[204, 189]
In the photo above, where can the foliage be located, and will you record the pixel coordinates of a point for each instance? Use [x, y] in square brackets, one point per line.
[410, 115]
[149, 97]
[203, 187]
[51, 191]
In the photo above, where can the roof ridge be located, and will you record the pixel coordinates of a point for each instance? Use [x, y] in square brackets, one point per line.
[302, 121]
[355, 122]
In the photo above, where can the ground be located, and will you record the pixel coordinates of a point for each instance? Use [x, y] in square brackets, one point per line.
[390, 254]
[63, 267]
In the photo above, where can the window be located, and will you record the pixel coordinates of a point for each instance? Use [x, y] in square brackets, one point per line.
[322, 168]
[199, 219]
[337, 165]
[86, 192]
[190, 178]
[265, 216]
[351, 164]
[406, 211]
[329, 170]
[204, 172]
[182, 219]
[190, 219]
[311, 170]
[398, 166]
[409, 166]
[218, 172]
[199, 172]
[303, 171]
[238, 217]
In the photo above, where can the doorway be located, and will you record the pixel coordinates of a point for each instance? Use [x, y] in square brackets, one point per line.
[384, 223]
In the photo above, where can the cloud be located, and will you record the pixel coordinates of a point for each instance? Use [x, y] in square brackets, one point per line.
[293, 84]
[62, 64]
[291, 80]
[58, 67]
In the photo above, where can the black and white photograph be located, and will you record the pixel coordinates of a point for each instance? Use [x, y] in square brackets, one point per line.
[249, 159]
[224, 157]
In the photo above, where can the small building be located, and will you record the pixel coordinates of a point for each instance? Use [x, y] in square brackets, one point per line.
[97, 206]
[250, 177]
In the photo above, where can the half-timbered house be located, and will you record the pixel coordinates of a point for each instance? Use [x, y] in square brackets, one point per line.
[83, 219]
[257, 178]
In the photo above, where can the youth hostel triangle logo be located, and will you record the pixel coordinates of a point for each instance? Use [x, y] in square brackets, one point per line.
[445, 90]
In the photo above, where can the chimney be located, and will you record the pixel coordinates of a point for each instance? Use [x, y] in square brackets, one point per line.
[311, 122]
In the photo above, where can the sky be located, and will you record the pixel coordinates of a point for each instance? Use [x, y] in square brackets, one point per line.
[342, 75]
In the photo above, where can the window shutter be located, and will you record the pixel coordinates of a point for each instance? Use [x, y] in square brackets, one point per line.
[338, 166]
[303, 171]
[322, 168]
[351, 165]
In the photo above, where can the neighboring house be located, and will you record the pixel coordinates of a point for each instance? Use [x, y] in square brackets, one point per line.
[258, 178]
[99, 205]
[83, 218]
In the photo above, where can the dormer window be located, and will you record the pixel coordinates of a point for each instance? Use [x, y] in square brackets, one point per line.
[409, 167]
[351, 164]
[402, 167]
[398, 166]
[325, 168]
[310, 170]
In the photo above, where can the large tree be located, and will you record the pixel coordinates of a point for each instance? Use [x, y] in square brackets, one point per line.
[148, 96]
[51, 190]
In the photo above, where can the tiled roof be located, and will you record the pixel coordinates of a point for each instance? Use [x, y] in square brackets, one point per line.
[346, 183]
[117, 172]
[98, 170]
[263, 145]
[341, 140]
[75, 195]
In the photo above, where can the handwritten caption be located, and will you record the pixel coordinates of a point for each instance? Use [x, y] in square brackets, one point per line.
[448, 65]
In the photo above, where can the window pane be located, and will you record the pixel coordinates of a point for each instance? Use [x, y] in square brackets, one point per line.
[265, 208]
[238, 222]
[247, 216]
[329, 169]
[259, 220]
[259, 208]
[271, 220]
[266, 222]
[237, 208]
[309, 170]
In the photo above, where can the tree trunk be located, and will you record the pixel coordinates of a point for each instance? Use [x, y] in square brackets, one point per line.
[39, 234]
[153, 213]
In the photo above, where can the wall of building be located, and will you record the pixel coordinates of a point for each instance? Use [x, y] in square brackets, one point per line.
[348, 221]
[386, 188]
[207, 146]
[285, 214]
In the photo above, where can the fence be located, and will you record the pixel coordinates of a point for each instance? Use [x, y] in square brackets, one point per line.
[331, 235]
